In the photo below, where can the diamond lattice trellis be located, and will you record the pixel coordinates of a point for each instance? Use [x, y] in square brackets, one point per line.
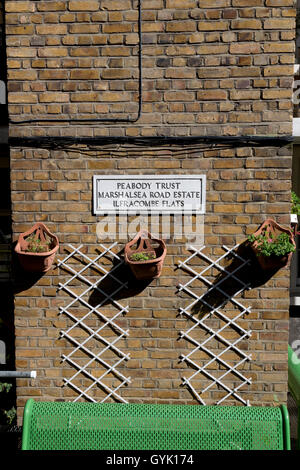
[215, 310]
[96, 349]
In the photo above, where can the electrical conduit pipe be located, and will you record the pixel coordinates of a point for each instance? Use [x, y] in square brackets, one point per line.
[18, 374]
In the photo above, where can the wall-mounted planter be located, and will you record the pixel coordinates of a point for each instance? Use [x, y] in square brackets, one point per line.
[36, 248]
[270, 230]
[145, 256]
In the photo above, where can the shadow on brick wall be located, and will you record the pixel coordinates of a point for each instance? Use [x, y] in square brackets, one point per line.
[226, 286]
[21, 279]
[119, 284]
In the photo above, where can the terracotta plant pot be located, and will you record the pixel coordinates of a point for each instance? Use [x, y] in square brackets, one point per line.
[36, 261]
[272, 262]
[144, 243]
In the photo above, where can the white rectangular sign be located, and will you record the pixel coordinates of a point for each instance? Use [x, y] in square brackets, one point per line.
[171, 194]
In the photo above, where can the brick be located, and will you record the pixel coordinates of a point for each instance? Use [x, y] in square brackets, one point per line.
[116, 28]
[213, 49]
[84, 52]
[19, 30]
[53, 52]
[22, 98]
[245, 94]
[19, 7]
[87, 5]
[180, 118]
[215, 4]
[246, 24]
[83, 28]
[245, 3]
[116, 74]
[279, 47]
[248, 48]
[228, 208]
[51, 29]
[53, 74]
[212, 95]
[101, 165]
[32, 353]
[117, 5]
[278, 70]
[179, 96]
[23, 52]
[180, 50]
[245, 72]
[276, 94]
[84, 74]
[279, 23]
[115, 51]
[14, 64]
[51, 6]
[181, 4]
[38, 63]
[54, 97]
[177, 26]
[196, 38]
[22, 75]
[279, 3]
[213, 25]
[67, 18]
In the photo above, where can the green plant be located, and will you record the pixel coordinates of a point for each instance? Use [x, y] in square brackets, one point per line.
[36, 245]
[142, 256]
[8, 416]
[295, 200]
[271, 245]
[5, 387]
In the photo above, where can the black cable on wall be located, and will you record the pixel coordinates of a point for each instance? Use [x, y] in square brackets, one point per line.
[153, 141]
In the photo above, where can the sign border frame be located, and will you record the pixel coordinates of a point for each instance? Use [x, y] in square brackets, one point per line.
[149, 211]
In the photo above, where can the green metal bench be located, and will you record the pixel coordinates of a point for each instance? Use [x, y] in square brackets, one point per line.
[118, 426]
[294, 385]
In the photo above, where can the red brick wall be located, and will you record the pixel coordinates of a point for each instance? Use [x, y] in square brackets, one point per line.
[209, 68]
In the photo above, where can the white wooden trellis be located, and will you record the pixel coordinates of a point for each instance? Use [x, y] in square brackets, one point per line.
[230, 369]
[93, 358]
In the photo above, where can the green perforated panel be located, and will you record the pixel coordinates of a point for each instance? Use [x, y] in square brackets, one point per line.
[116, 426]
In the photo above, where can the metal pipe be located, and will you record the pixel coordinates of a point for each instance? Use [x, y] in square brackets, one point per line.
[18, 374]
